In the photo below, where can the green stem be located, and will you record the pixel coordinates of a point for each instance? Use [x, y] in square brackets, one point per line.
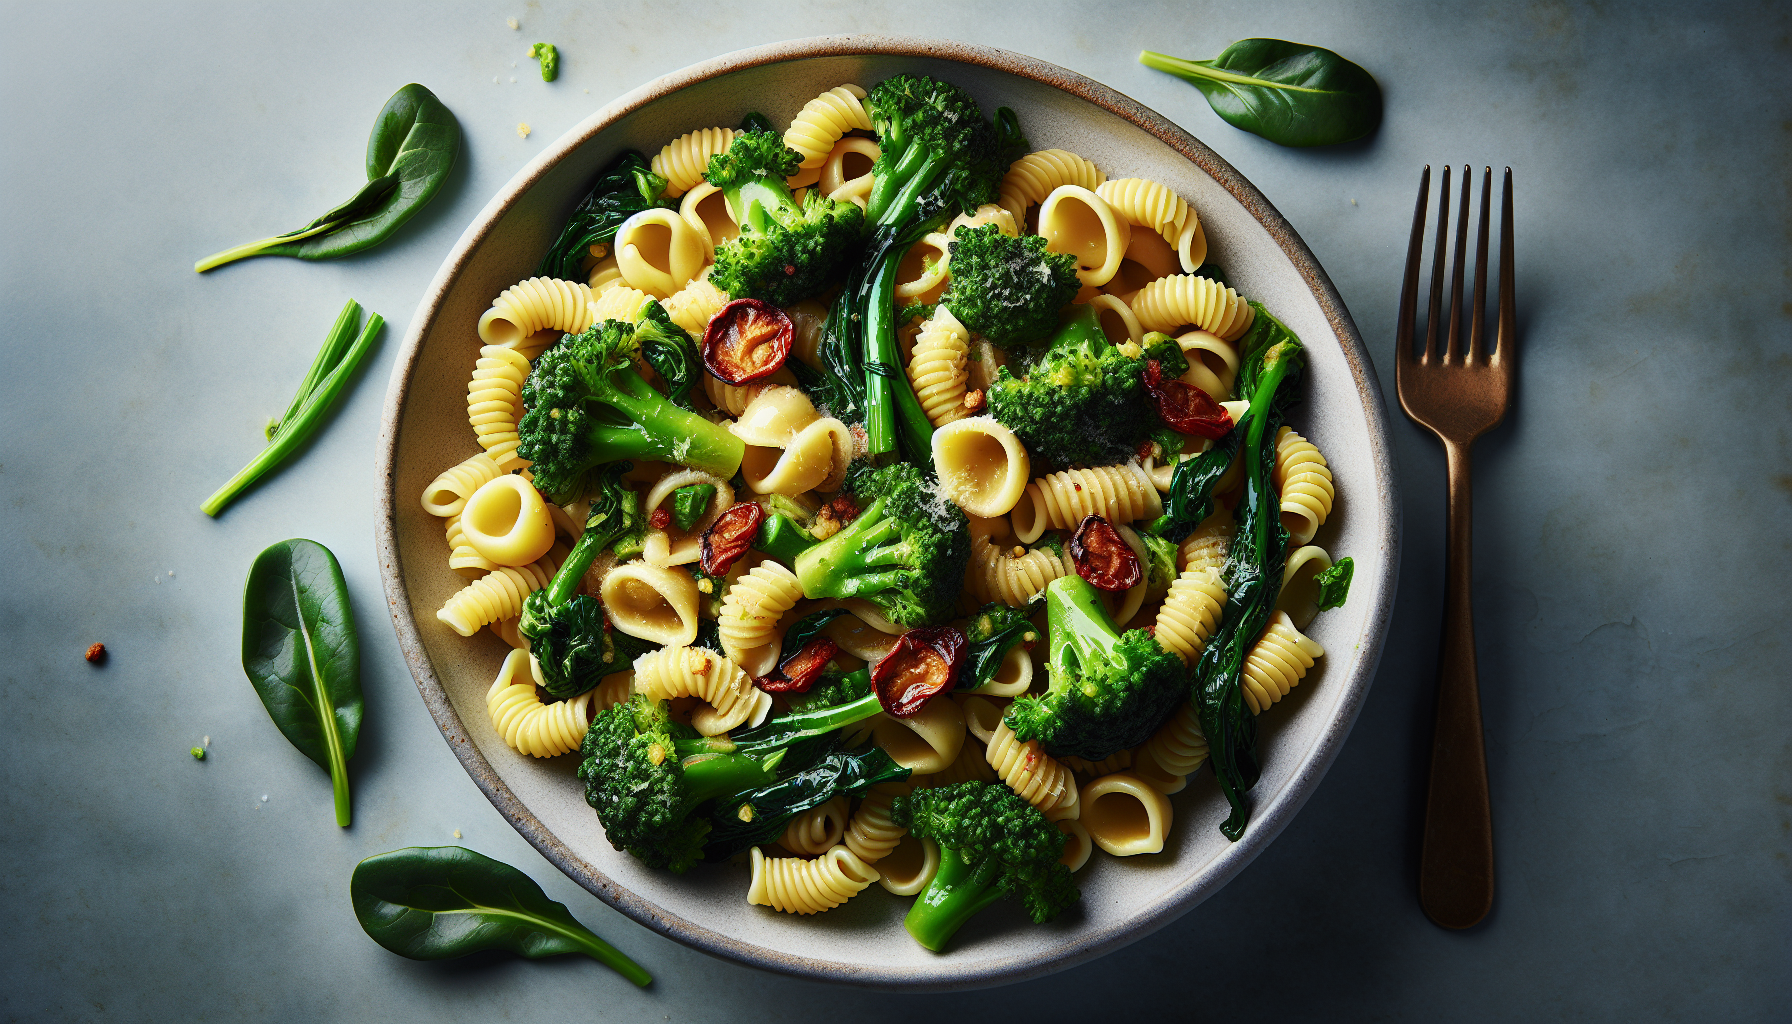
[712, 775]
[1182, 68]
[958, 892]
[781, 537]
[296, 430]
[257, 248]
[781, 733]
[327, 357]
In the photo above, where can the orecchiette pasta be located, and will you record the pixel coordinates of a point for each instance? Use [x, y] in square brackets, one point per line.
[447, 494]
[1075, 220]
[528, 726]
[1300, 585]
[683, 160]
[926, 741]
[937, 367]
[922, 274]
[1033, 177]
[796, 885]
[1013, 677]
[871, 835]
[813, 832]
[1124, 815]
[748, 622]
[652, 602]
[981, 464]
[1013, 579]
[1176, 749]
[1117, 321]
[733, 400]
[1190, 612]
[815, 459]
[1077, 845]
[859, 638]
[731, 697]
[1040, 779]
[910, 867]
[659, 253]
[498, 594]
[507, 522]
[705, 208]
[846, 172]
[1305, 483]
[604, 275]
[1119, 494]
[1279, 660]
[675, 545]
[1171, 302]
[495, 403]
[1212, 363]
[824, 120]
[540, 303]
[971, 765]
[988, 213]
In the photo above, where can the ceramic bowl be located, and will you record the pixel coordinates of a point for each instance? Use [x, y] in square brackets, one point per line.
[863, 942]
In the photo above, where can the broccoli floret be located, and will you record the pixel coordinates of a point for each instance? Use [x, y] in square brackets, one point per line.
[992, 632]
[588, 406]
[1081, 403]
[906, 552]
[1008, 289]
[992, 844]
[833, 689]
[786, 251]
[1160, 562]
[1109, 691]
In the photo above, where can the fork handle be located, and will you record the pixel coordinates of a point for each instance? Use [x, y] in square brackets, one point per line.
[1456, 860]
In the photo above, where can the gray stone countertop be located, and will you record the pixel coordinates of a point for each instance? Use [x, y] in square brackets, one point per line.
[1631, 540]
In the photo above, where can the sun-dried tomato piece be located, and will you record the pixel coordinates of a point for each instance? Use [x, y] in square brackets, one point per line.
[1186, 408]
[747, 339]
[659, 519]
[730, 536]
[1103, 557]
[923, 664]
[798, 672]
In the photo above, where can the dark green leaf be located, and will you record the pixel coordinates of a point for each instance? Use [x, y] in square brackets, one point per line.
[623, 189]
[1290, 93]
[689, 503]
[851, 772]
[432, 903]
[1334, 584]
[808, 628]
[301, 653]
[754, 121]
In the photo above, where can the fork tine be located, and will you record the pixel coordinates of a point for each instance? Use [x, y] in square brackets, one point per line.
[1409, 286]
[1434, 311]
[1455, 344]
[1477, 334]
[1506, 356]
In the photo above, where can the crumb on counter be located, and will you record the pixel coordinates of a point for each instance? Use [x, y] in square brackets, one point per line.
[512, 22]
[198, 753]
[457, 833]
[523, 129]
[97, 654]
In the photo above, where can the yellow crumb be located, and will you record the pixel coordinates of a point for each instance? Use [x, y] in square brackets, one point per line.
[512, 23]
[522, 129]
[457, 833]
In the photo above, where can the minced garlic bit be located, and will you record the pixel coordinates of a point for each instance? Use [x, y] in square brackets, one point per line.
[512, 23]
[457, 833]
[522, 129]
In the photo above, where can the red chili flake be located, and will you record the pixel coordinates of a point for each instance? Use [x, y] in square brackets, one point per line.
[96, 653]
[730, 536]
[845, 509]
[923, 664]
[798, 672]
[748, 339]
[1103, 557]
[1186, 408]
[659, 519]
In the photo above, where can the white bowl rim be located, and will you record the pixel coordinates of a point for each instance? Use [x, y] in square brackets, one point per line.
[1267, 819]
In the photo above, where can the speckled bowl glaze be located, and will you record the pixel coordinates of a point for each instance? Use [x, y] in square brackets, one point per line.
[863, 942]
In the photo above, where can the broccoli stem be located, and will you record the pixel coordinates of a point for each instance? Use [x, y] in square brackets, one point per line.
[565, 583]
[781, 538]
[1078, 626]
[959, 891]
[654, 428]
[852, 563]
[783, 732]
[711, 775]
[893, 415]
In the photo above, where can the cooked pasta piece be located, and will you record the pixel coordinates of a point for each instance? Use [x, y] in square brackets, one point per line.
[815, 459]
[988, 213]
[807, 318]
[922, 274]
[1173, 302]
[466, 562]
[926, 741]
[1033, 177]
[1300, 584]
[1040, 779]
[846, 172]
[813, 832]
[675, 545]
[937, 367]
[1304, 481]
[447, 494]
[773, 416]
[1190, 613]
[506, 630]
[859, 638]
[1206, 548]
[796, 885]
[910, 867]
[1120, 494]
[1014, 676]
[613, 690]
[658, 252]
[1147, 204]
[1075, 220]
[604, 275]
[537, 304]
[733, 400]
[1191, 245]
[971, 765]
[528, 726]
[1117, 321]
[652, 602]
[1124, 815]
[824, 120]
[618, 303]
[731, 698]
[693, 306]
[871, 835]
[981, 465]
[495, 402]
[1148, 257]
[705, 208]
[1077, 845]
[507, 522]
[1118, 761]
[1176, 750]
[748, 622]
[683, 160]
[1212, 363]
[1277, 662]
[1013, 577]
[498, 594]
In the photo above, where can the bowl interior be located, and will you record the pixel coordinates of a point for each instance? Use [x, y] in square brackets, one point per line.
[863, 941]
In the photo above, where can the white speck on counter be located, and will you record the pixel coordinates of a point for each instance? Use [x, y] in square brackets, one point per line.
[264, 798]
[512, 23]
[457, 833]
[1353, 202]
[513, 63]
[496, 80]
[522, 127]
[513, 78]
[206, 742]
[587, 92]
[171, 572]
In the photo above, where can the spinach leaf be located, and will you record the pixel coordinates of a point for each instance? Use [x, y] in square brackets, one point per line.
[409, 155]
[754, 121]
[432, 903]
[759, 816]
[302, 655]
[1191, 488]
[672, 353]
[623, 189]
[1334, 584]
[1289, 93]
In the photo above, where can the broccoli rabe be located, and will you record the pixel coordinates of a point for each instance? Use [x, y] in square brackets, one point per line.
[1081, 403]
[1109, 691]
[786, 251]
[588, 405]
[992, 844]
[992, 632]
[905, 552]
[1010, 290]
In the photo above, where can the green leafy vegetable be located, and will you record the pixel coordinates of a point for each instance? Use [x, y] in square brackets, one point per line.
[690, 502]
[409, 155]
[1289, 93]
[432, 903]
[754, 121]
[198, 753]
[549, 56]
[328, 377]
[1334, 584]
[302, 655]
[623, 189]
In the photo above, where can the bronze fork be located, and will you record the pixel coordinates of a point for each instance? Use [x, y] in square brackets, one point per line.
[1458, 388]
